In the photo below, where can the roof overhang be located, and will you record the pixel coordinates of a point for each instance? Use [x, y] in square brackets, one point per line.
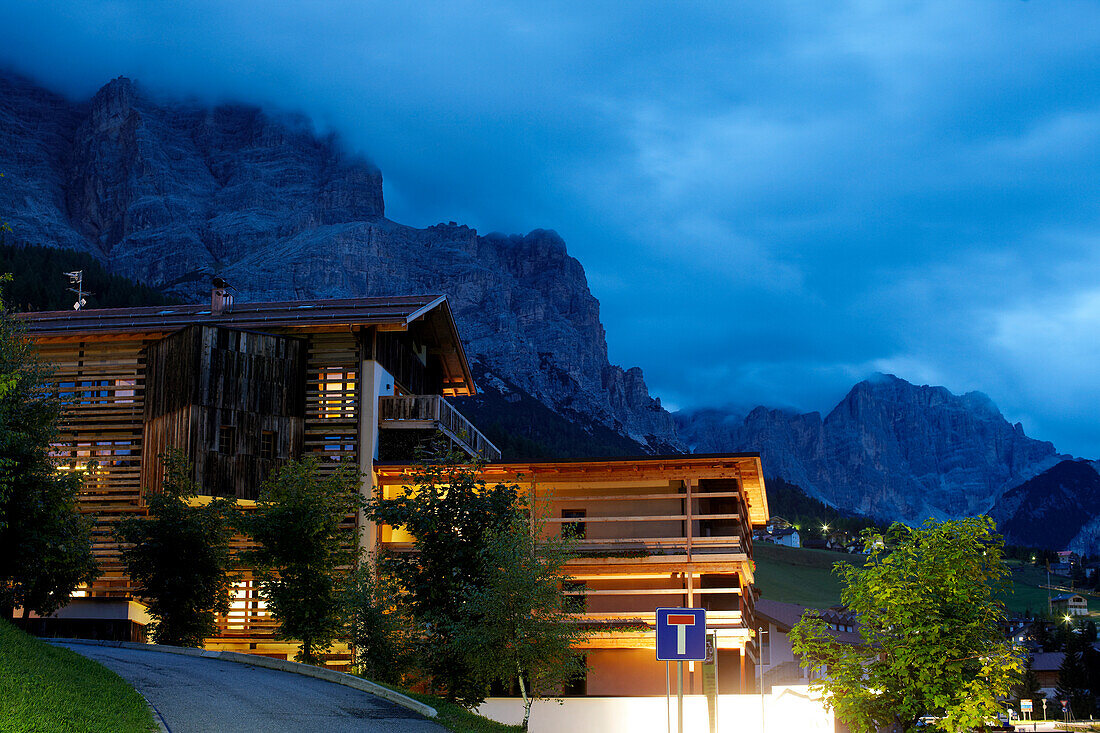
[398, 313]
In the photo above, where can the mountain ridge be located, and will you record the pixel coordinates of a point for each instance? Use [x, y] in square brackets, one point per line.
[888, 449]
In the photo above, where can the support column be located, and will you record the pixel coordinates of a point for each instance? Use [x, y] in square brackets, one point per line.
[688, 512]
[374, 382]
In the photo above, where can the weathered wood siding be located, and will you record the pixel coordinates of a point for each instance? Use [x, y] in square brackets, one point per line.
[209, 382]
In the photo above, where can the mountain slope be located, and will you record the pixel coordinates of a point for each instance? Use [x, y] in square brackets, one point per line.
[1058, 509]
[170, 193]
[889, 449]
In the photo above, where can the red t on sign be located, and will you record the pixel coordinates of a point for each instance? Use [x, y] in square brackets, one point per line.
[681, 621]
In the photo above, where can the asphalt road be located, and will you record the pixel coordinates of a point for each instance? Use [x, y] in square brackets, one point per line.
[194, 694]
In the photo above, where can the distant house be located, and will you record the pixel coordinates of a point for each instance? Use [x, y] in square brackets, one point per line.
[1072, 604]
[778, 663]
[780, 532]
[787, 537]
[1045, 665]
[1067, 562]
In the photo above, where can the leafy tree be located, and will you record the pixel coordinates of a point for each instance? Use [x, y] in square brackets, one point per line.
[930, 619]
[304, 542]
[1040, 633]
[1073, 678]
[179, 557]
[451, 514]
[45, 543]
[379, 624]
[1028, 686]
[522, 630]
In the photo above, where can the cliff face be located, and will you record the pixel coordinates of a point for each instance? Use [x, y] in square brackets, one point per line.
[171, 193]
[889, 449]
[1059, 509]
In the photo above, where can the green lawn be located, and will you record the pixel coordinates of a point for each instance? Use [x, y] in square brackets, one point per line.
[804, 576]
[795, 575]
[44, 688]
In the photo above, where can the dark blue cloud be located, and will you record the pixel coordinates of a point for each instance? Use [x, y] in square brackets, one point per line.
[771, 199]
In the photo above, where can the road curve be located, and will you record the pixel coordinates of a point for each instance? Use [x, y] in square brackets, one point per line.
[197, 694]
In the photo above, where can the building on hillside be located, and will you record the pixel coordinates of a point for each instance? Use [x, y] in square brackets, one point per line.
[779, 665]
[1068, 561]
[1069, 604]
[787, 536]
[242, 388]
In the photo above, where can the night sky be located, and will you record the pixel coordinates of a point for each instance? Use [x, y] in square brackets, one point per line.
[772, 200]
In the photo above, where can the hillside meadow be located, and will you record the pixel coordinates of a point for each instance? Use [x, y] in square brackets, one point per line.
[796, 575]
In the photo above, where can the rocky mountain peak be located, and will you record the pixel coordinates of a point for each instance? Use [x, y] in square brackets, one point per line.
[113, 103]
[889, 448]
[169, 193]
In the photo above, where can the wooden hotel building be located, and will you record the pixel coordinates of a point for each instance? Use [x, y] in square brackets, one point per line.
[241, 388]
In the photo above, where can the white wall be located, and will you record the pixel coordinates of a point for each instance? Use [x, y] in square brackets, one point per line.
[786, 710]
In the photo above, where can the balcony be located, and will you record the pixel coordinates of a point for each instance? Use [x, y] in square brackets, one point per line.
[432, 412]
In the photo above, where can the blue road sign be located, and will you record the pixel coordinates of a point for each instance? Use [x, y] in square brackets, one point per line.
[681, 634]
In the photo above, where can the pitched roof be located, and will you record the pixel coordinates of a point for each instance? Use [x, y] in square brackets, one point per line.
[786, 615]
[398, 312]
[343, 311]
[1047, 661]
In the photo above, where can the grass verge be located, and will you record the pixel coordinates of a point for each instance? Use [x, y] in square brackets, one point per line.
[45, 688]
[453, 716]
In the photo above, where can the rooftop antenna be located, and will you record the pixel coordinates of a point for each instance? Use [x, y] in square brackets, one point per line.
[76, 277]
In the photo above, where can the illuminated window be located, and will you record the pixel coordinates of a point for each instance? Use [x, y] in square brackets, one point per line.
[337, 393]
[124, 390]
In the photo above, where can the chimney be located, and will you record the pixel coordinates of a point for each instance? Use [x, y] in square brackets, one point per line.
[221, 300]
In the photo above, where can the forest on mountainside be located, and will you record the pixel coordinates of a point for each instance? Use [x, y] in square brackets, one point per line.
[39, 282]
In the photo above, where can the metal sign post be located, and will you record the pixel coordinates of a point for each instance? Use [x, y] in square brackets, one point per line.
[710, 679]
[681, 637]
[1044, 708]
[668, 698]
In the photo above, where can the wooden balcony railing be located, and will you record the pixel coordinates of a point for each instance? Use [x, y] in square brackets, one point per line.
[434, 412]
